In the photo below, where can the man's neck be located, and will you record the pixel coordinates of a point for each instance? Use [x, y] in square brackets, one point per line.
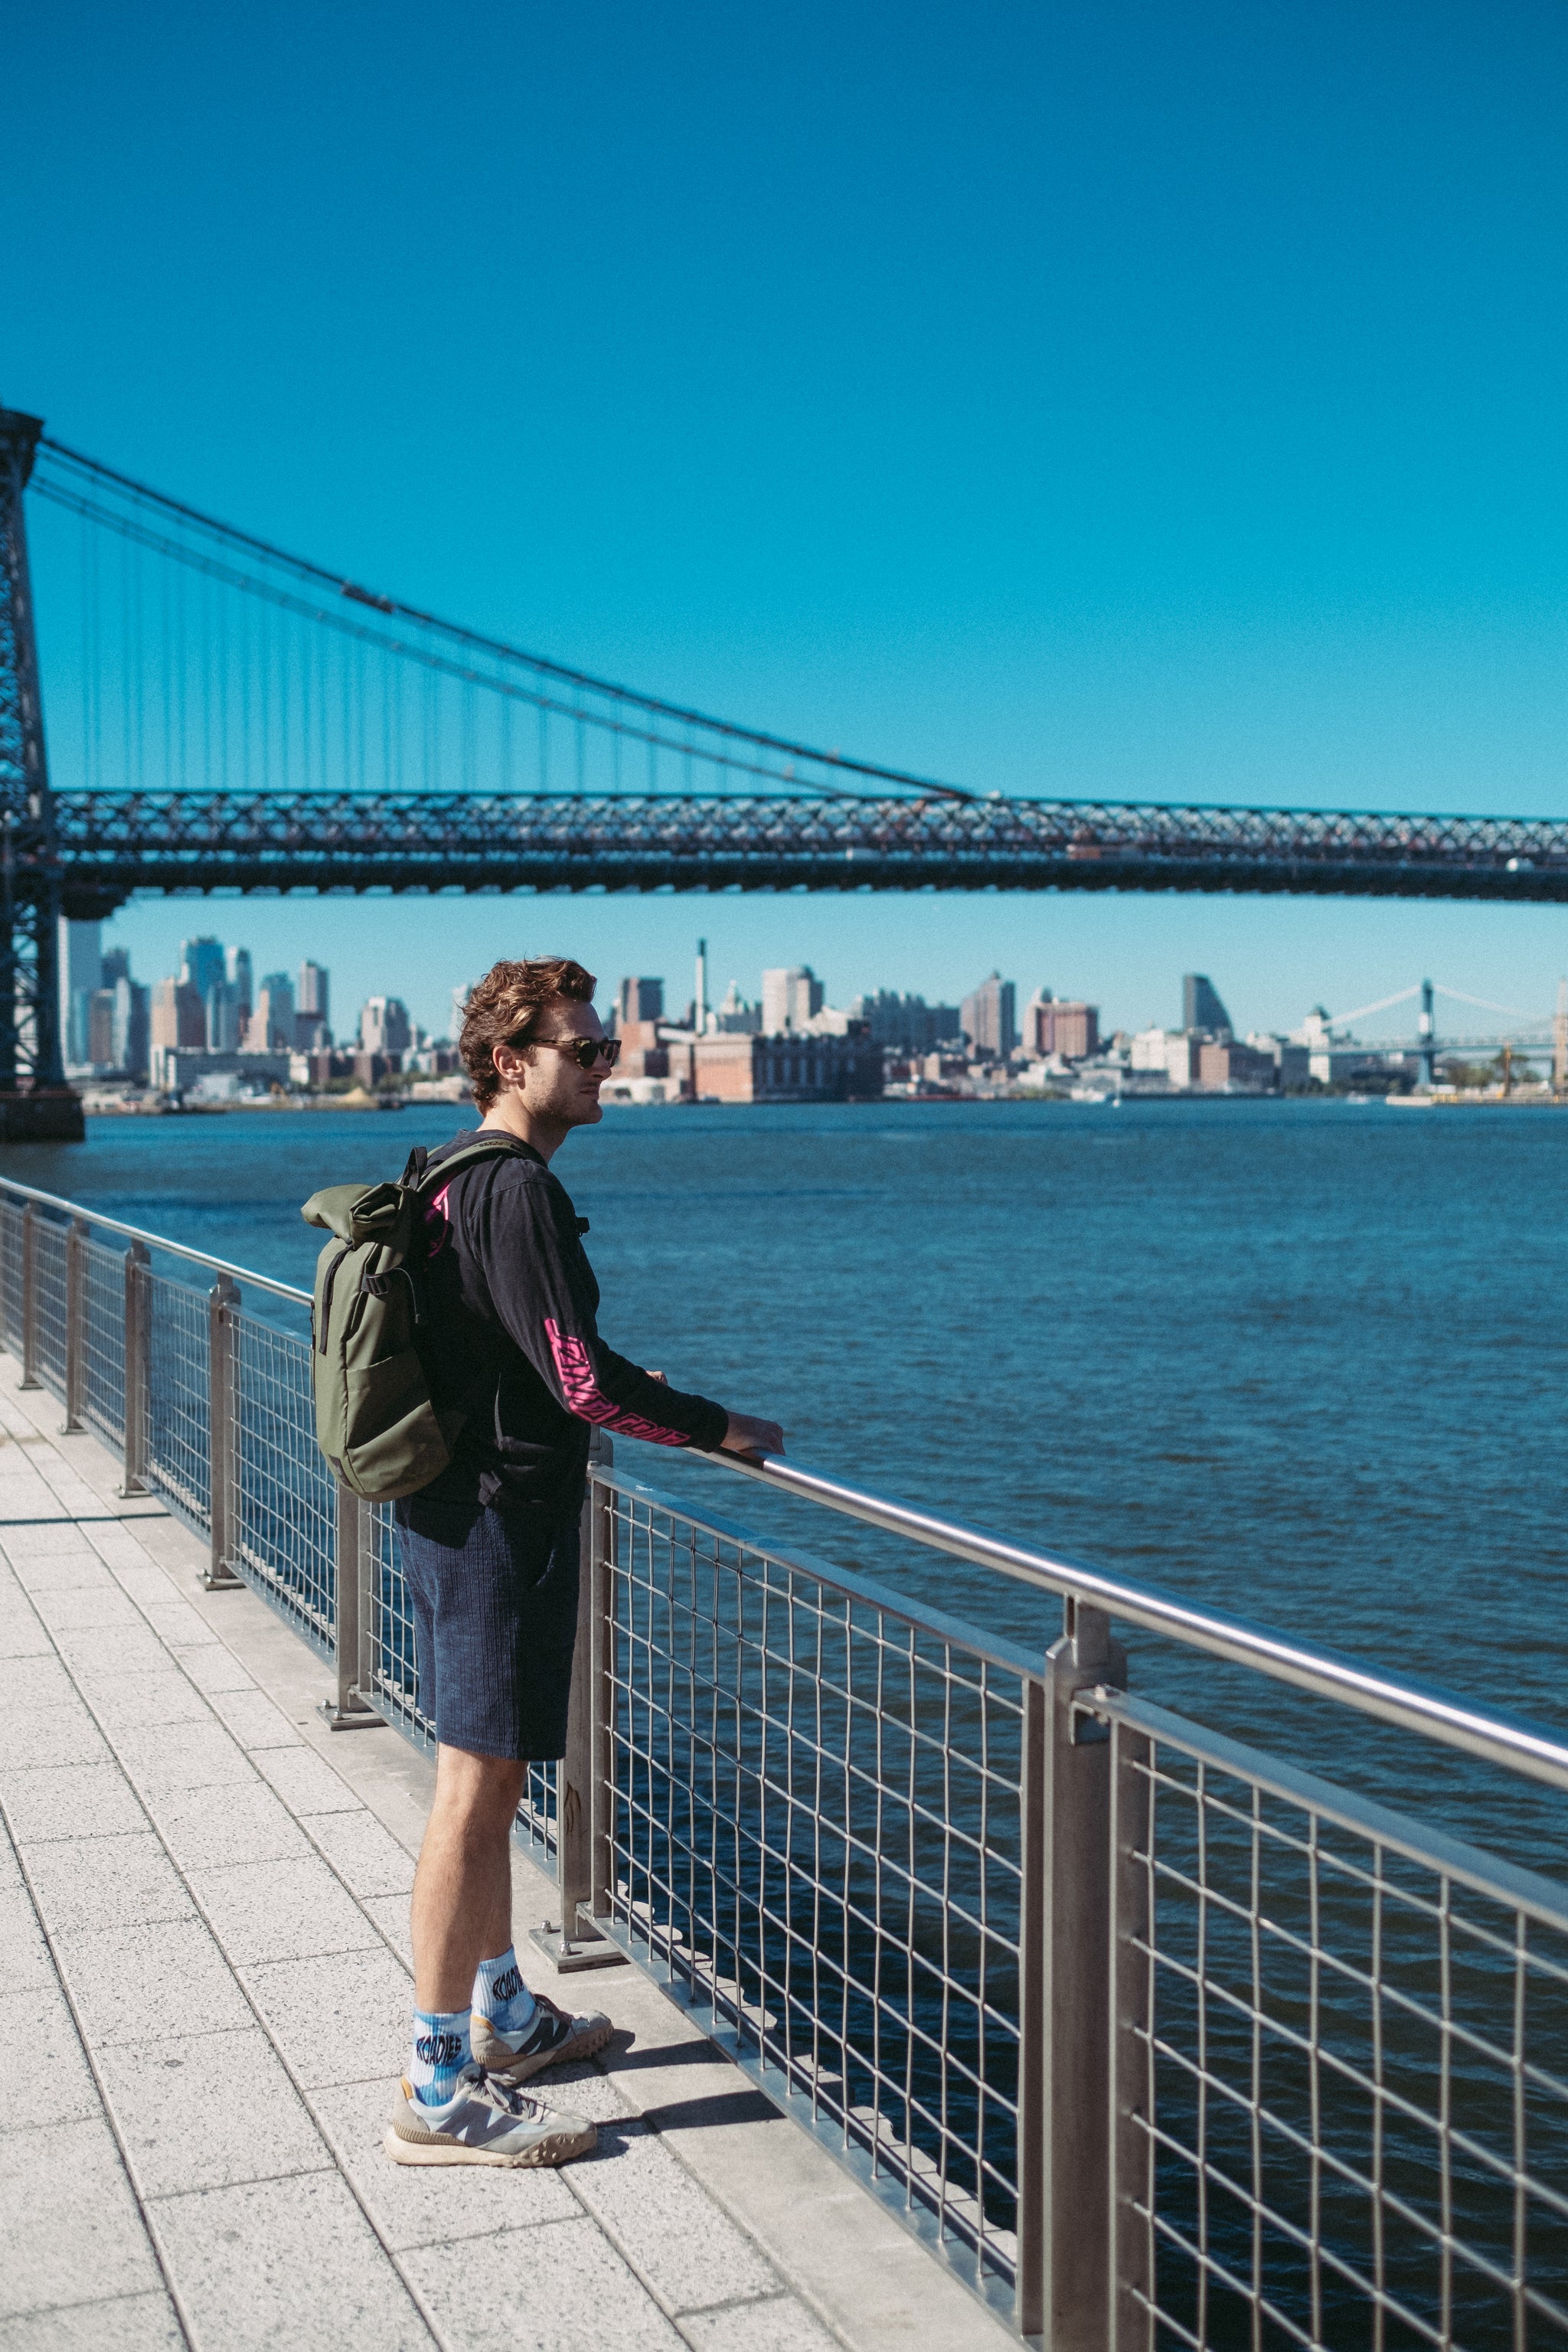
[546, 1136]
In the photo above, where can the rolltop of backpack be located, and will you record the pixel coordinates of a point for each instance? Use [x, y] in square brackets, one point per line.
[376, 1422]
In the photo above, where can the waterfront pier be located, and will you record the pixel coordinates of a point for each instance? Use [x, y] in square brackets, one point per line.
[975, 1993]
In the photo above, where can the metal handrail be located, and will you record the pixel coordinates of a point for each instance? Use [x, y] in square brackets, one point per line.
[1497, 1739]
[1507, 1740]
[247, 1275]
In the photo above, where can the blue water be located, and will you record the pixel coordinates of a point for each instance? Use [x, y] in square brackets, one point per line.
[1303, 1360]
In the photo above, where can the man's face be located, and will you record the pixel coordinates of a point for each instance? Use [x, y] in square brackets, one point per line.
[551, 1084]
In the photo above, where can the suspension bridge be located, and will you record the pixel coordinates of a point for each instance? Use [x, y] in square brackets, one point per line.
[227, 716]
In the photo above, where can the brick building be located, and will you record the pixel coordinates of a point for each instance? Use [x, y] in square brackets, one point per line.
[779, 1069]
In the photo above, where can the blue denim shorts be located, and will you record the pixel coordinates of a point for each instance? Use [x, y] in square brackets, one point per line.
[494, 1593]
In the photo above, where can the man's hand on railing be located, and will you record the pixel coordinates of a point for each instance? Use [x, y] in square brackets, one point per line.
[745, 1436]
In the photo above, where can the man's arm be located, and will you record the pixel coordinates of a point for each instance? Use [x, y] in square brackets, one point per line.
[532, 1263]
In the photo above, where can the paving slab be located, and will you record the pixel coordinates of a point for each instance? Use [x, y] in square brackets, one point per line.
[305, 1781]
[205, 2110]
[282, 1911]
[335, 2018]
[162, 1756]
[267, 2266]
[253, 1720]
[24, 1960]
[783, 2325]
[126, 1982]
[101, 1602]
[205, 1828]
[688, 2251]
[366, 1856]
[138, 1700]
[564, 2289]
[132, 2322]
[49, 2052]
[70, 1800]
[60, 2171]
[62, 1734]
[117, 1881]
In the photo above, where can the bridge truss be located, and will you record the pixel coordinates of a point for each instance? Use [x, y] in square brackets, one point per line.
[113, 843]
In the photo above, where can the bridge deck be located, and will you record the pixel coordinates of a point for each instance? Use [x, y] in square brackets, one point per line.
[203, 1946]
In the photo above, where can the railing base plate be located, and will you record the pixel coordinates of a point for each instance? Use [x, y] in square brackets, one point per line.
[350, 1718]
[221, 1580]
[582, 1952]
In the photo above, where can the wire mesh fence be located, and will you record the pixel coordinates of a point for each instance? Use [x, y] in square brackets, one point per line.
[11, 1276]
[49, 1309]
[815, 1820]
[284, 1541]
[103, 1327]
[1344, 2073]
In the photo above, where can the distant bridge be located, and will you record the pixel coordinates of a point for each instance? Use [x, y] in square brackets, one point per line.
[232, 717]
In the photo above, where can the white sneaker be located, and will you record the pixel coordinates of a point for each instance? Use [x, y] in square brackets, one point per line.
[554, 2038]
[488, 2122]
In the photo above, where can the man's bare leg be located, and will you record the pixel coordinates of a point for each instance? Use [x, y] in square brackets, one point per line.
[461, 1910]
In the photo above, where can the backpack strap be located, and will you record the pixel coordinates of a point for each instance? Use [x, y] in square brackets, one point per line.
[429, 1179]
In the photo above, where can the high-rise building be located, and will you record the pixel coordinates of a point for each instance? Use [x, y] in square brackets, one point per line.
[1053, 1025]
[792, 995]
[226, 1018]
[312, 991]
[270, 1029]
[1201, 1006]
[114, 966]
[119, 1028]
[80, 976]
[639, 1000]
[989, 1017]
[735, 1017]
[238, 972]
[179, 1017]
[202, 965]
[384, 1026]
[460, 996]
[906, 1025]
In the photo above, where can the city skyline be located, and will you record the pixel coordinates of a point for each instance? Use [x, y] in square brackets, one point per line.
[1512, 955]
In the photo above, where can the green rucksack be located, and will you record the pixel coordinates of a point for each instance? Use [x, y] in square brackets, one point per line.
[376, 1422]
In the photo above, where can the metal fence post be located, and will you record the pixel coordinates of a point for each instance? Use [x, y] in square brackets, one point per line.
[352, 1710]
[29, 1378]
[137, 1367]
[1074, 1962]
[223, 1433]
[1131, 2104]
[1033, 2090]
[76, 1328]
[575, 1943]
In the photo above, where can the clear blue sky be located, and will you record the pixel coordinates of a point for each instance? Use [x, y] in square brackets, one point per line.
[1122, 399]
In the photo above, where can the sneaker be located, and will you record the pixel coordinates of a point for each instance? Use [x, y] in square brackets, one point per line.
[554, 2038]
[488, 2122]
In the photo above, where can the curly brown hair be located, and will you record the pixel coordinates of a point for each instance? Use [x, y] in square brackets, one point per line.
[503, 1006]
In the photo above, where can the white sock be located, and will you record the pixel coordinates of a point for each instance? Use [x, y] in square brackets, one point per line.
[439, 2053]
[500, 1995]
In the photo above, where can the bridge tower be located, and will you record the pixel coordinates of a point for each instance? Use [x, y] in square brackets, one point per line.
[1426, 1044]
[35, 1104]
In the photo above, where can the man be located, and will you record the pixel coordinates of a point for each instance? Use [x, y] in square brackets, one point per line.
[490, 1553]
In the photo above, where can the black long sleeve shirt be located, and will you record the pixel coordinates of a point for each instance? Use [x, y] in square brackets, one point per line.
[513, 1339]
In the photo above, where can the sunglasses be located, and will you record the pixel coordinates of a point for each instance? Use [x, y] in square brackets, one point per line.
[584, 1051]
